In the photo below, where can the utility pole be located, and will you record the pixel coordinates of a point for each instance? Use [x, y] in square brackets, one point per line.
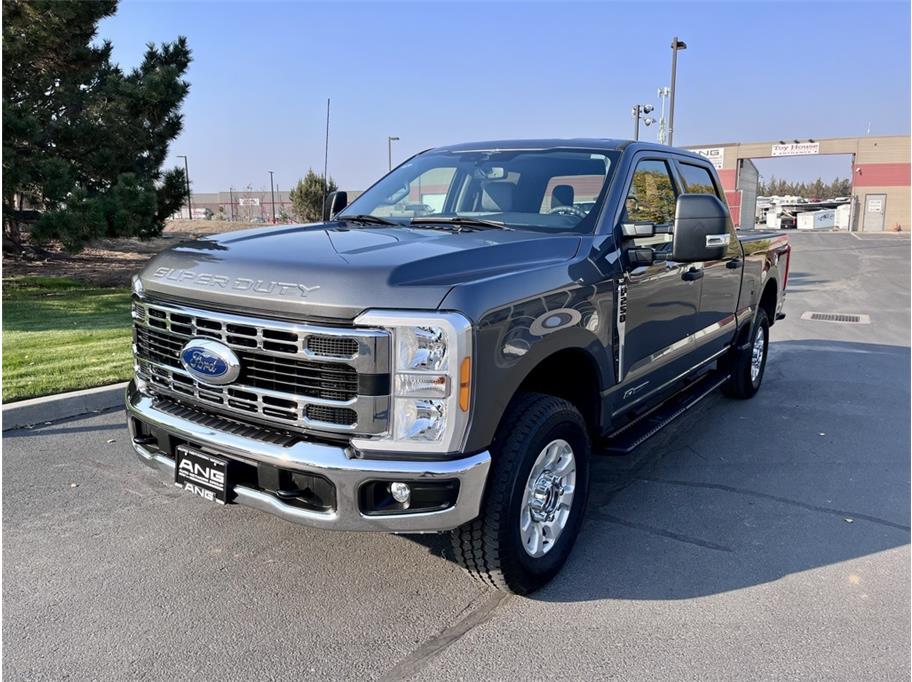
[389, 151]
[675, 46]
[231, 203]
[187, 178]
[272, 191]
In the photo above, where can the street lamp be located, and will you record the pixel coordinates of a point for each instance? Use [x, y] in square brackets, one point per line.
[389, 150]
[637, 113]
[675, 46]
[187, 178]
[272, 191]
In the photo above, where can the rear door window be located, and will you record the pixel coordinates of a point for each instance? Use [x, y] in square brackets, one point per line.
[697, 179]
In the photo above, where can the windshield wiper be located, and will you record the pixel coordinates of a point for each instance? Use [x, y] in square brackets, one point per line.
[365, 218]
[460, 221]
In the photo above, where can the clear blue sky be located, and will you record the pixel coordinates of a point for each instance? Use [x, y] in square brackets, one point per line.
[437, 73]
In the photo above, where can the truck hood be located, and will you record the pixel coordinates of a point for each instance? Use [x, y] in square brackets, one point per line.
[334, 272]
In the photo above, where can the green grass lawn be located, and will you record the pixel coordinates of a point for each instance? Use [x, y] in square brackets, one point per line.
[60, 336]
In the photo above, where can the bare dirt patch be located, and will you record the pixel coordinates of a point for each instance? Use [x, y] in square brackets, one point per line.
[111, 262]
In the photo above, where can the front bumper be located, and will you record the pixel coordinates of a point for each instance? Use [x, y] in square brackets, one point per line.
[335, 463]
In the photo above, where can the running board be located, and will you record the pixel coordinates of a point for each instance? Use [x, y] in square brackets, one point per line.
[630, 436]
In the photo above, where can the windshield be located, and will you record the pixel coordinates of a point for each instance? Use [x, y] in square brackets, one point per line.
[557, 190]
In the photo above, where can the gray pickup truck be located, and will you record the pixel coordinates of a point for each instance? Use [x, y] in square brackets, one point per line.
[444, 353]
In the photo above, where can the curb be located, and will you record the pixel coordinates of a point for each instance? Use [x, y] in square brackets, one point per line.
[53, 407]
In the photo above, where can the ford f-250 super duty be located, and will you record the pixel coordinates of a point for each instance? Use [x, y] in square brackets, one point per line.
[442, 353]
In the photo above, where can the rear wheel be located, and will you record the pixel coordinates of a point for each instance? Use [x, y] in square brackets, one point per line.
[535, 500]
[748, 365]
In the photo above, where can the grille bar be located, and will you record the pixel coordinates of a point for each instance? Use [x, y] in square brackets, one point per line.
[292, 375]
[367, 350]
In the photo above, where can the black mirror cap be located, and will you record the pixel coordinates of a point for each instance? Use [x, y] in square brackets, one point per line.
[335, 202]
[698, 216]
[640, 256]
[637, 230]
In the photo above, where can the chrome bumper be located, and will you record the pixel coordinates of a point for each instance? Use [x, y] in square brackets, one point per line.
[331, 461]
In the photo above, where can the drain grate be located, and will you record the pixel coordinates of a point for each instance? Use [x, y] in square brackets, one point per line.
[841, 318]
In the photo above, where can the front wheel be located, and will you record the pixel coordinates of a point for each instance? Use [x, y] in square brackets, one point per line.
[747, 365]
[535, 500]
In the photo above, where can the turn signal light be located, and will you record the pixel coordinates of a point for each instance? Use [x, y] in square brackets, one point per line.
[465, 374]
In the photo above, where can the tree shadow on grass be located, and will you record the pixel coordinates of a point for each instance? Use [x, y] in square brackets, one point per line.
[90, 310]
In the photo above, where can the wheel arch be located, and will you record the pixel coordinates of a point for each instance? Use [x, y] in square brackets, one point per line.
[571, 374]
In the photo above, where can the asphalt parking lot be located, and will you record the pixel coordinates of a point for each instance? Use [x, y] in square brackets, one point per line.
[767, 538]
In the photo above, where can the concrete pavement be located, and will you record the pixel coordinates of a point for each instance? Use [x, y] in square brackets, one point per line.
[766, 538]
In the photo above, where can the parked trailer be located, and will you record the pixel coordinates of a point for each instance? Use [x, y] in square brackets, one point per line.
[843, 216]
[817, 220]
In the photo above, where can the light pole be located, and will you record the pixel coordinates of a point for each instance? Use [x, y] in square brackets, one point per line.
[637, 113]
[675, 46]
[231, 203]
[389, 150]
[272, 191]
[187, 178]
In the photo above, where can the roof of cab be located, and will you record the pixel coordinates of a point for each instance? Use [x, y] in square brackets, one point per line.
[590, 144]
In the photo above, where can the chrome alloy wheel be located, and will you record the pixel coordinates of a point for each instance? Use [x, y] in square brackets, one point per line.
[757, 355]
[547, 498]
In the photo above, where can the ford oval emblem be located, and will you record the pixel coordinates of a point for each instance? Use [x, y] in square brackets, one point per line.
[210, 361]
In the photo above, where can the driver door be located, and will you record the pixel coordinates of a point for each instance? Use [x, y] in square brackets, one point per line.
[659, 302]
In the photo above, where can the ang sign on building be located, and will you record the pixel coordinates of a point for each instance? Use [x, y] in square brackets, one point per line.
[715, 155]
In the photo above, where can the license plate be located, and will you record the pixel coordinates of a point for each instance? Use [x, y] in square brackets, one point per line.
[201, 474]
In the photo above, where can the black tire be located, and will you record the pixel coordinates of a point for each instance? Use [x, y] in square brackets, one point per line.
[490, 547]
[741, 384]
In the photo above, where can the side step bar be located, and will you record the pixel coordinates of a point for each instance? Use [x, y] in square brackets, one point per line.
[632, 435]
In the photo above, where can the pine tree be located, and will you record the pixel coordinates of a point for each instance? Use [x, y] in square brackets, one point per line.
[307, 197]
[84, 143]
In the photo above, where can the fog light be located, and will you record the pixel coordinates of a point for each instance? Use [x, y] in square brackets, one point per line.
[400, 492]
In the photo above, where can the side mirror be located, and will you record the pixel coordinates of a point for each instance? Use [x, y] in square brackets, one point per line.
[701, 229]
[335, 202]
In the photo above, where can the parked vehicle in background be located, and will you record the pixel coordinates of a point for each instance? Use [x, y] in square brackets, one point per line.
[387, 371]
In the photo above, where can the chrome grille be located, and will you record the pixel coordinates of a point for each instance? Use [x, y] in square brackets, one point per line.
[292, 374]
[329, 381]
[333, 347]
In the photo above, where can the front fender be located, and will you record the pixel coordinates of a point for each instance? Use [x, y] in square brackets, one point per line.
[512, 341]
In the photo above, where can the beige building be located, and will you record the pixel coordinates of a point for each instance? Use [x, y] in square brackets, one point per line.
[880, 175]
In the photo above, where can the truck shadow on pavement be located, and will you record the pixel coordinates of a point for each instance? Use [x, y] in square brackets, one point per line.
[812, 472]
[804, 282]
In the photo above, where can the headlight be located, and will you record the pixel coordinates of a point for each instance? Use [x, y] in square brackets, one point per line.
[431, 381]
[137, 286]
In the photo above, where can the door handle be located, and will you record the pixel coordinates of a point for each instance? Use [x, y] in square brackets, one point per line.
[692, 275]
[733, 264]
